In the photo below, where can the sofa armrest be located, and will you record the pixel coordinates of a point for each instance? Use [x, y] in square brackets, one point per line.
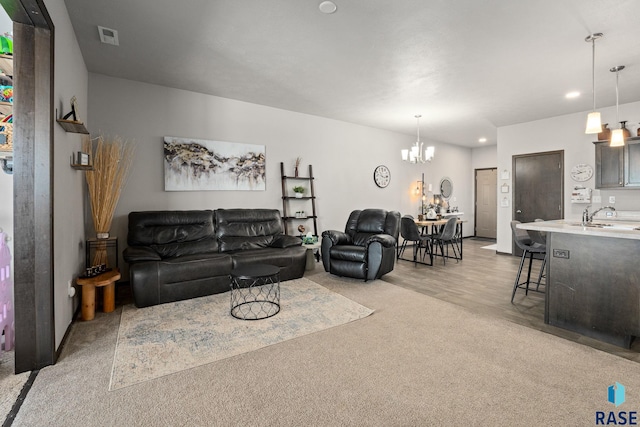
[337, 237]
[139, 254]
[285, 241]
[385, 240]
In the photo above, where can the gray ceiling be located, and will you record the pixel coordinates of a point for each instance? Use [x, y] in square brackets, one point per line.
[467, 66]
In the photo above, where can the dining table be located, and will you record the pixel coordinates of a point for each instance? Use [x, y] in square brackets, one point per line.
[434, 226]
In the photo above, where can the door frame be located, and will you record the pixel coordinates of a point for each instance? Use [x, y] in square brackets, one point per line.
[33, 184]
[475, 198]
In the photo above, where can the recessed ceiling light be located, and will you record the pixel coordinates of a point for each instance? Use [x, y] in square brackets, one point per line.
[482, 140]
[327, 7]
[571, 95]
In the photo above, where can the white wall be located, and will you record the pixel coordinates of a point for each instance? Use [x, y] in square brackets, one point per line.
[562, 133]
[484, 157]
[343, 155]
[71, 78]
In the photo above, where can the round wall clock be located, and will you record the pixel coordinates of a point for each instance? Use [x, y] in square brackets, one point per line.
[382, 176]
[581, 172]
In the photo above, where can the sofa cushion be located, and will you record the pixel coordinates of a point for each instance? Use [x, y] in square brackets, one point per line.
[278, 257]
[246, 229]
[193, 267]
[173, 233]
[172, 250]
[372, 221]
[140, 253]
[349, 253]
[286, 241]
[365, 223]
[162, 227]
[361, 239]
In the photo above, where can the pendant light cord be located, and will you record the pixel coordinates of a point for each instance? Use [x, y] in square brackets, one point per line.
[617, 70]
[617, 103]
[593, 71]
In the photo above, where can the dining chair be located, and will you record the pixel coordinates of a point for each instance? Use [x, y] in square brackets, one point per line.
[410, 233]
[447, 237]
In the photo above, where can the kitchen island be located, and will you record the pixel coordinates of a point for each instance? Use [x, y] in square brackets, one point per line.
[593, 278]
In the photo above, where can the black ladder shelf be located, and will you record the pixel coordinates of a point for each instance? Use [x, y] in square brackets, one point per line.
[286, 218]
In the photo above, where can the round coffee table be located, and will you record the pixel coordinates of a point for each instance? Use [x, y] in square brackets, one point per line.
[255, 291]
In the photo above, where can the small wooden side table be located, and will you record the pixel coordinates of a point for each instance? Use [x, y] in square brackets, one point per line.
[89, 284]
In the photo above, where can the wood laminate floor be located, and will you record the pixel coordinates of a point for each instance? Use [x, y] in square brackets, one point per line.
[482, 282]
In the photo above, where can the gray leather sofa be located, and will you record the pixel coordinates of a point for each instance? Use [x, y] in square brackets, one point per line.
[176, 255]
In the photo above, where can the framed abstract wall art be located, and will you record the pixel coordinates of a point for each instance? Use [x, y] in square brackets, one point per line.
[198, 165]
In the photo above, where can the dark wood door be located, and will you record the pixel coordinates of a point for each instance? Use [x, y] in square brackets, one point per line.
[538, 187]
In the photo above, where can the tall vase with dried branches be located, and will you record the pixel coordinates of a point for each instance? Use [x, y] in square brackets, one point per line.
[112, 157]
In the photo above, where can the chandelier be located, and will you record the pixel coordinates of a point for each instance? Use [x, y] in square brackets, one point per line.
[415, 153]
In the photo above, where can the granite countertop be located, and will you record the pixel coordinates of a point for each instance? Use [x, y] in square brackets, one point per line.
[601, 228]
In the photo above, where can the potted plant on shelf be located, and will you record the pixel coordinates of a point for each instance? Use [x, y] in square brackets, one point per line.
[299, 190]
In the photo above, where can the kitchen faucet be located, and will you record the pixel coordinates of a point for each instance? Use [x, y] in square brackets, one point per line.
[587, 219]
[585, 216]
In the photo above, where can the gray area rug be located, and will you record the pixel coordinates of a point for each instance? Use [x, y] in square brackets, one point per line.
[168, 338]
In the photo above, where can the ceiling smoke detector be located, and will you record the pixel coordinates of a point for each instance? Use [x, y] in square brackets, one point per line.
[108, 36]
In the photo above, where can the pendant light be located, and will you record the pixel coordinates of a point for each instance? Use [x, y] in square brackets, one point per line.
[594, 123]
[414, 154]
[617, 135]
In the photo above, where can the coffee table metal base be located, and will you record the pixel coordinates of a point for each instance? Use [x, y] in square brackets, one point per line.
[255, 292]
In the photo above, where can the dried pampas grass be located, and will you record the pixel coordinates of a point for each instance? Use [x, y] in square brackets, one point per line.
[112, 158]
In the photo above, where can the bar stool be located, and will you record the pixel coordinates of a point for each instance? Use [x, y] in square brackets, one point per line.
[529, 247]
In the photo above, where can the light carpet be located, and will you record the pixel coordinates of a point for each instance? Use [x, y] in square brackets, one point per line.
[10, 384]
[164, 339]
[417, 361]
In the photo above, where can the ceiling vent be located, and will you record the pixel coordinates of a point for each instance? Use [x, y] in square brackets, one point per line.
[108, 36]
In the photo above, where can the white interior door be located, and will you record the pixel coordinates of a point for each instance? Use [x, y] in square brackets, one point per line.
[486, 203]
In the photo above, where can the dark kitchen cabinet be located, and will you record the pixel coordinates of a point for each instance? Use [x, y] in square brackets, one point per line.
[618, 167]
[632, 163]
[609, 165]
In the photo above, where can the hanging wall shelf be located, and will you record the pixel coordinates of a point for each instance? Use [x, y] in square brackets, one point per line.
[73, 126]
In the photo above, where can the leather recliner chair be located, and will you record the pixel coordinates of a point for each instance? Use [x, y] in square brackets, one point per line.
[366, 249]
